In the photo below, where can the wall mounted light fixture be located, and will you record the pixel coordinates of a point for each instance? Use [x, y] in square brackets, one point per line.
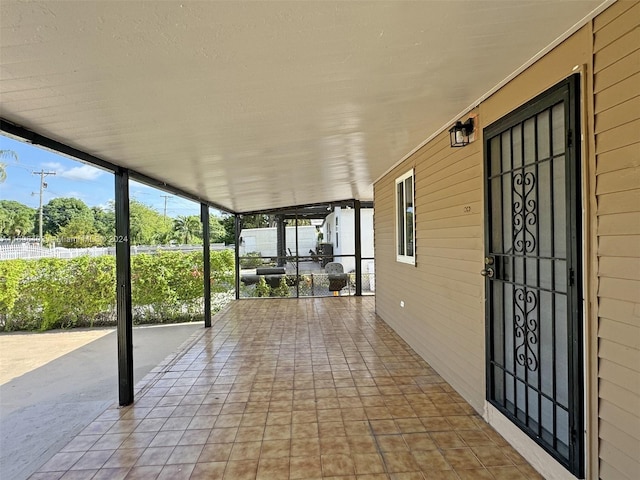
[459, 134]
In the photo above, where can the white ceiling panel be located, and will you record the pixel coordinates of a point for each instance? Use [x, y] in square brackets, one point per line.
[255, 105]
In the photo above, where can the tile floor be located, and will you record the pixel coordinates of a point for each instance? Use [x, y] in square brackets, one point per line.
[292, 389]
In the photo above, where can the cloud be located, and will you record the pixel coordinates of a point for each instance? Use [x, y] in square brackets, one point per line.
[52, 166]
[85, 172]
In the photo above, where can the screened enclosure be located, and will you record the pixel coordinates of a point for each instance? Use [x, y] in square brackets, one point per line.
[310, 251]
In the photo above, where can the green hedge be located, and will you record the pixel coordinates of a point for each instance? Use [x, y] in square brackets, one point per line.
[56, 293]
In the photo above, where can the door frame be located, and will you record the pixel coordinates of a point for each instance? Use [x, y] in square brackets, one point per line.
[569, 90]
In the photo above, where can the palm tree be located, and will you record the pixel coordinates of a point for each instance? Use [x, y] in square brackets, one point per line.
[187, 227]
[3, 166]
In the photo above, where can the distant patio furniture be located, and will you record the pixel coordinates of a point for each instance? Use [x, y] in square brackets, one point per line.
[314, 256]
[337, 278]
[272, 276]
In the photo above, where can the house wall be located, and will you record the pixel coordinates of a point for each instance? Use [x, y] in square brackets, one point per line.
[616, 103]
[264, 240]
[343, 237]
[443, 294]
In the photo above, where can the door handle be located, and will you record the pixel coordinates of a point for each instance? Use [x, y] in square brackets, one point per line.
[487, 272]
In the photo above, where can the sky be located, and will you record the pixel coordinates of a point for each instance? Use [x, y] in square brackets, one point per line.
[72, 178]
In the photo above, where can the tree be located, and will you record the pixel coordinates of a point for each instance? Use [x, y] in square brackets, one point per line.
[105, 223]
[229, 224]
[258, 221]
[187, 227]
[3, 166]
[60, 211]
[80, 232]
[16, 219]
[217, 231]
[147, 226]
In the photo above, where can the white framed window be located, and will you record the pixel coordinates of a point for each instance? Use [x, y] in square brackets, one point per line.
[405, 219]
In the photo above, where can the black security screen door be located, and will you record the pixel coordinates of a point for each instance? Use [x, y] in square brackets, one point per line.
[534, 333]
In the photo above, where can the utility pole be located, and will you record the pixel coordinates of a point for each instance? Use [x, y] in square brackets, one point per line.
[43, 185]
[166, 197]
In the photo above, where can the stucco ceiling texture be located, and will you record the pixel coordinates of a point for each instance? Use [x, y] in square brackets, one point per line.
[256, 105]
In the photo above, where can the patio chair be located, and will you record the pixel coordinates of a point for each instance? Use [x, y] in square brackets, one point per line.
[337, 278]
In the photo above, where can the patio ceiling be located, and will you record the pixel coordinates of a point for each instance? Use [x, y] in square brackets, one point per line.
[256, 105]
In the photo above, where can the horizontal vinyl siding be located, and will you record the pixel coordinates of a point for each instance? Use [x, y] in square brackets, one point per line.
[616, 47]
[443, 316]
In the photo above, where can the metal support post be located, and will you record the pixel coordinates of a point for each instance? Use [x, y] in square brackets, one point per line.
[358, 249]
[123, 289]
[238, 224]
[206, 262]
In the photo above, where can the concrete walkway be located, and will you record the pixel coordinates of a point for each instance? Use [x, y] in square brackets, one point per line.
[52, 385]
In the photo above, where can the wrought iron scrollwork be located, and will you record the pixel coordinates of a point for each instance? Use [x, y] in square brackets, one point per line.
[524, 213]
[526, 328]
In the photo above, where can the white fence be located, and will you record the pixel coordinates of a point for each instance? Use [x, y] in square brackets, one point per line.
[32, 251]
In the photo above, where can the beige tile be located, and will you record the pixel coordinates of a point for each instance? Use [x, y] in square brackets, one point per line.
[406, 476]
[272, 468]
[400, 462]
[463, 422]
[81, 443]
[362, 444]
[419, 441]
[208, 471]
[215, 452]
[144, 472]
[124, 458]
[334, 445]
[366, 463]
[304, 447]
[111, 473]
[277, 432]
[304, 416]
[155, 456]
[391, 443]
[506, 473]
[475, 474]
[491, 456]
[176, 472]
[332, 429]
[241, 470]
[248, 434]
[228, 421]
[279, 418]
[222, 435]
[529, 472]
[384, 427]
[430, 460]
[447, 440]
[304, 430]
[92, 460]
[461, 458]
[253, 419]
[299, 403]
[475, 438]
[245, 451]
[169, 438]
[305, 467]
[336, 465]
[440, 475]
[275, 448]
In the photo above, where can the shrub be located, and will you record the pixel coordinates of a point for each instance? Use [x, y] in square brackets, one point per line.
[282, 290]
[262, 289]
[55, 293]
[251, 260]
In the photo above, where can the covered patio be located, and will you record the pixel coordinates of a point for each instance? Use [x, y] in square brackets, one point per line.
[292, 389]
